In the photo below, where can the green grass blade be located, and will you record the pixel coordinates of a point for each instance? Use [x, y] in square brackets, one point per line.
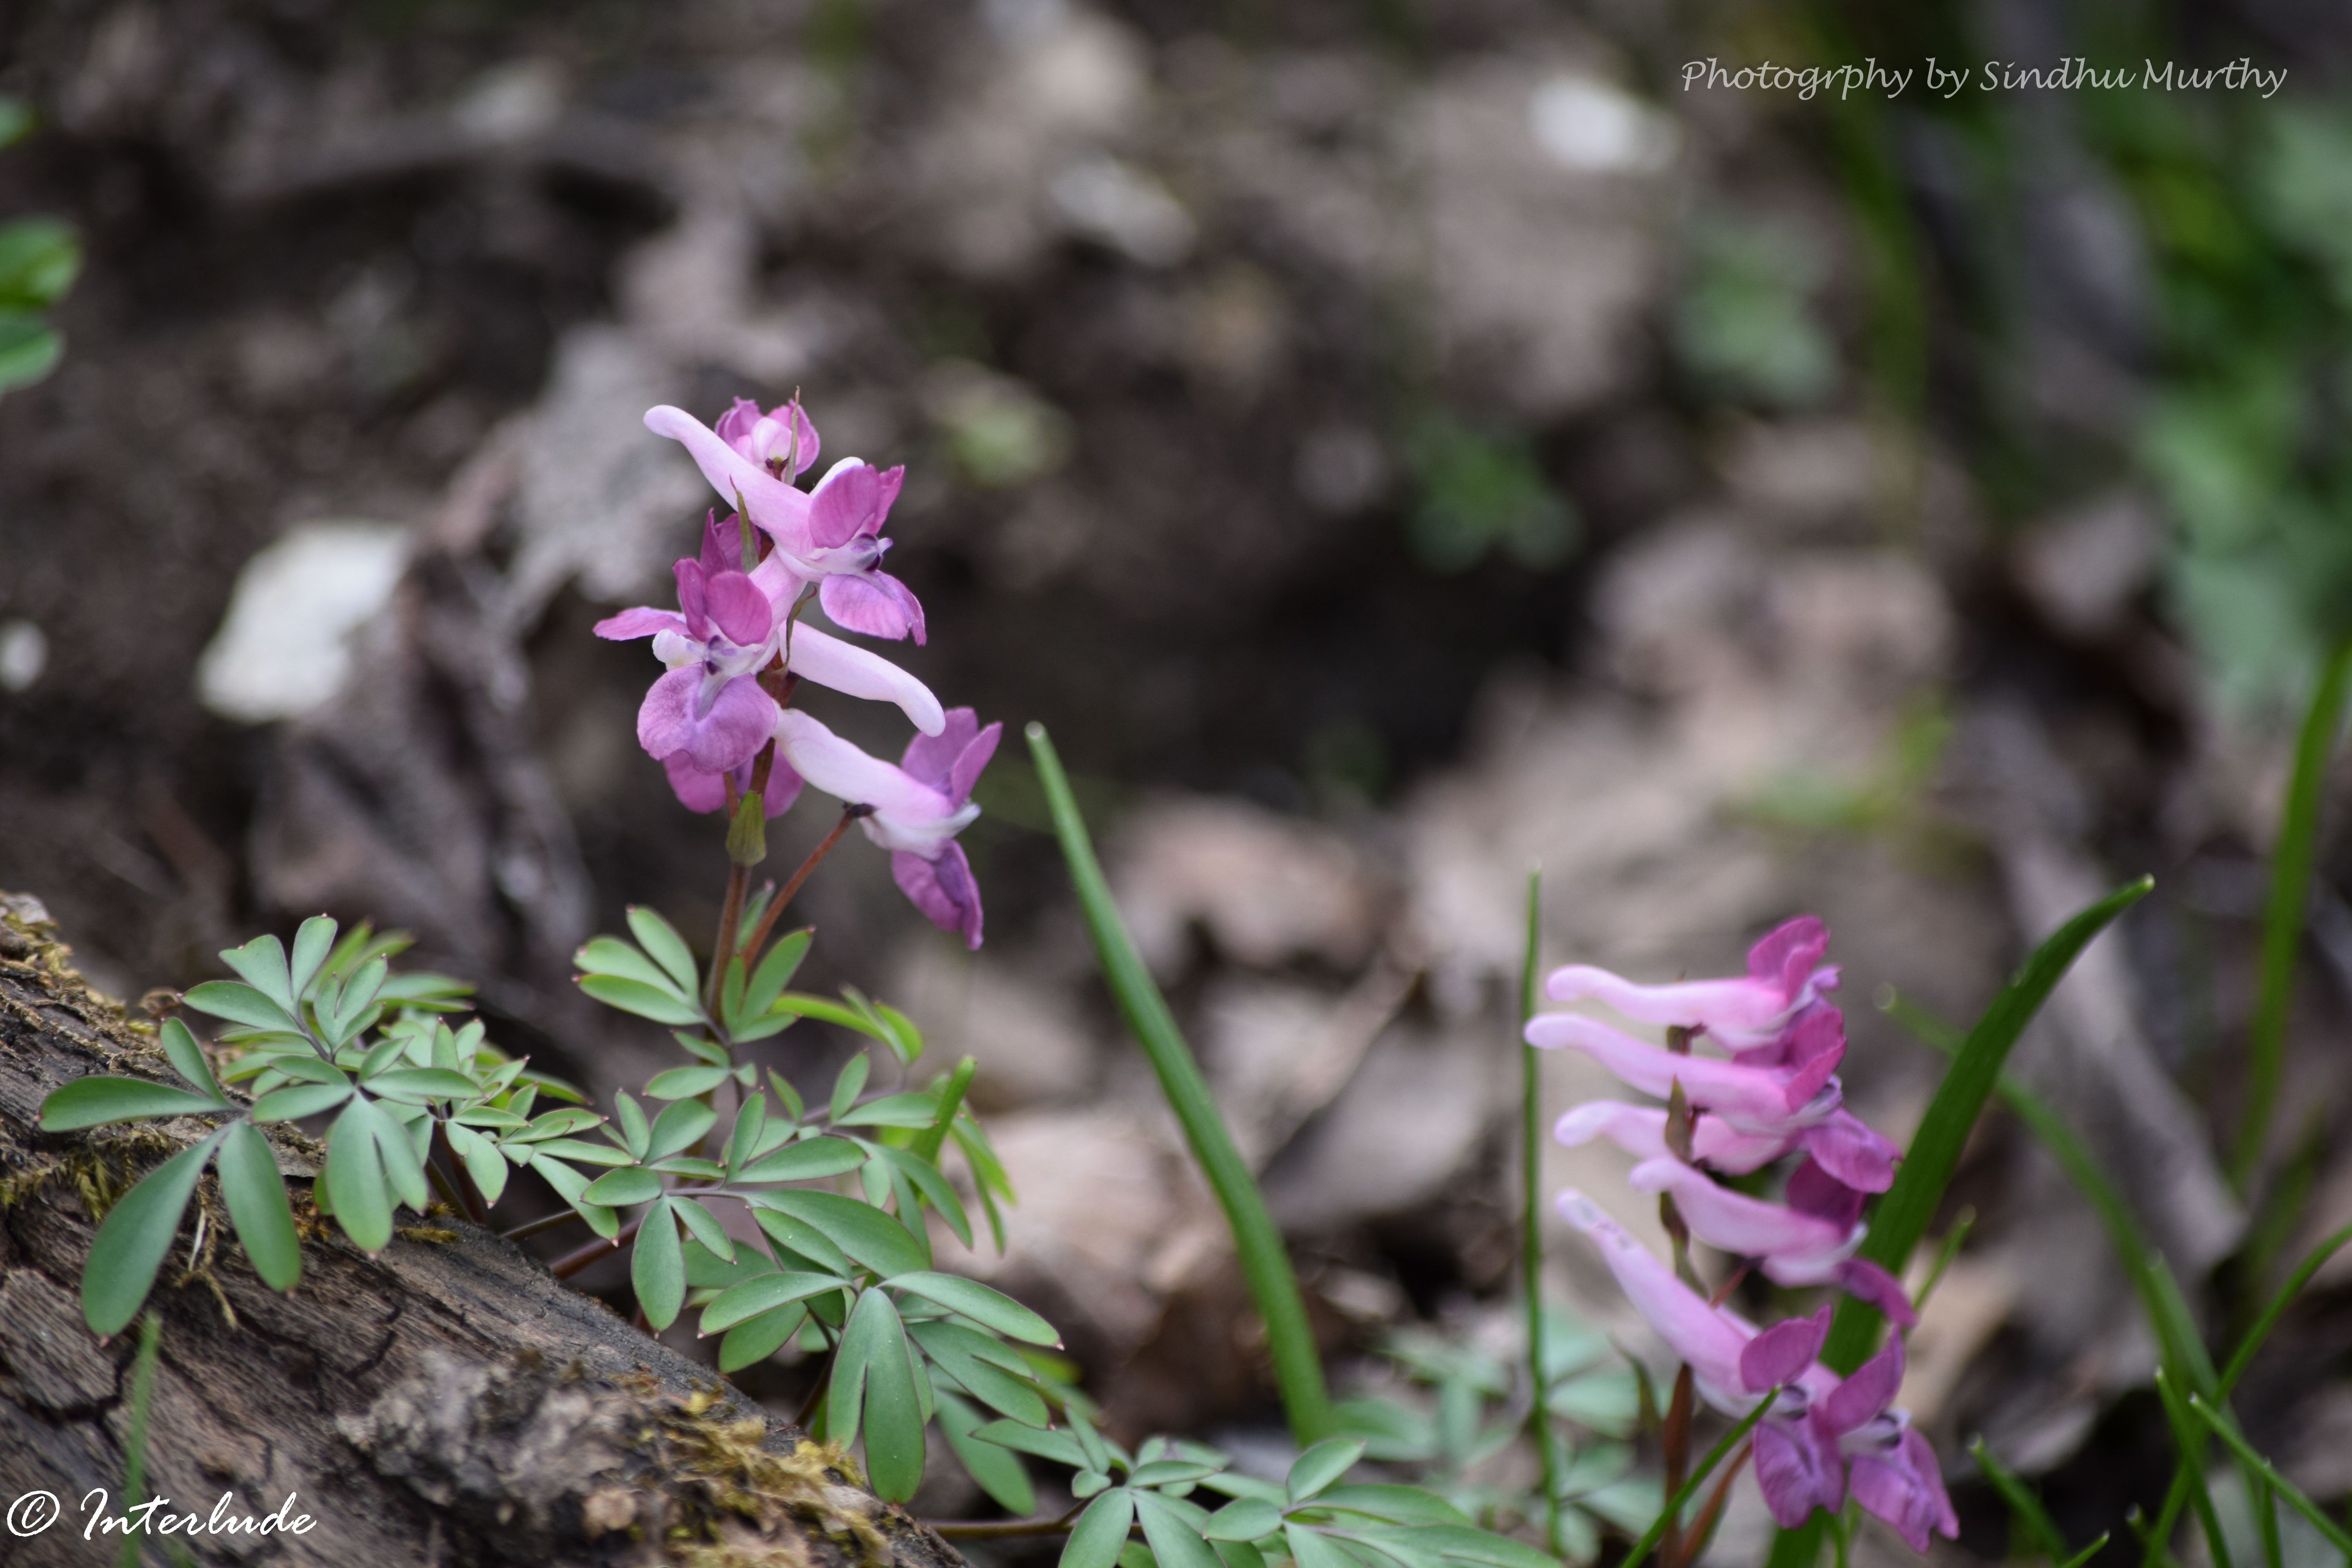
[1266, 1265]
[2189, 1439]
[134, 1437]
[2290, 898]
[1681, 1500]
[2023, 1504]
[2223, 1430]
[1531, 1136]
[1903, 1215]
[2245, 1354]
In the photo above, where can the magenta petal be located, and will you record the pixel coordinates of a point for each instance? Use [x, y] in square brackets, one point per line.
[970, 764]
[1813, 1191]
[1905, 1490]
[696, 790]
[942, 888]
[665, 718]
[734, 426]
[1866, 1281]
[722, 544]
[1780, 1354]
[874, 602]
[740, 610]
[932, 758]
[1789, 955]
[1850, 1152]
[1754, 1099]
[1796, 1471]
[846, 503]
[691, 597]
[640, 622]
[737, 725]
[1870, 1390]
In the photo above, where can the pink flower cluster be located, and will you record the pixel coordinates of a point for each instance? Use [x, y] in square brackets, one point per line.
[1778, 1094]
[736, 643]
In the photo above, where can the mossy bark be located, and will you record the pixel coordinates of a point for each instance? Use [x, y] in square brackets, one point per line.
[447, 1402]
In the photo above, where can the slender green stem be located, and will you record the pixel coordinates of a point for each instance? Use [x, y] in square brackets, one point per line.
[1266, 1265]
[1689, 1488]
[2290, 898]
[134, 1438]
[1539, 1429]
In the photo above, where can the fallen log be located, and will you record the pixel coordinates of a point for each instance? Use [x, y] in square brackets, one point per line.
[447, 1402]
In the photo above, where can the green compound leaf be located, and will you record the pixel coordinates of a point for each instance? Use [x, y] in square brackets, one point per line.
[312, 944]
[867, 1235]
[685, 1083]
[30, 349]
[679, 1126]
[804, 1160]
[241, 1005]
[262, 961]
[98, 1101]
[1320, 1467]
[484, 1164]
[1244, 1519]
[989, 1370]
[610, 955]
[415, 1086]
[992, 1309]
[1313, 1549]
[706, 1229]
[135, 1236]
[355, 1179]
[874, 1384]
[1170, 1530]
[775, 973]
[661, 941]
[657, 1267]
[644, 1000]
[999, 1475]
[756, 1339]
[619, 1189]
[765, 1293]
[255, 1195]
[636, 1136]
[1095, 1540]
[39, 259]
[300, 1100]
[187, 1059]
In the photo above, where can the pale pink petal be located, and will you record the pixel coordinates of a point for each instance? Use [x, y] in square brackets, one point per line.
[774, 505]
[641, 622]
[735, 726]
[857, 672]
[1749, 1228]
[848, 773]
[846, 503]
[1641, 1132]
[1789, 955]
[1701, 1335]
[874, 603]
[1754, 1099]
[932, 758]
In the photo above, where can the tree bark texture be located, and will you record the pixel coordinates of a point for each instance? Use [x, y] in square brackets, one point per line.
[446, 1403]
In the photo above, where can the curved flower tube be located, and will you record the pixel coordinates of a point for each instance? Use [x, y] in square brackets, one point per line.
[1759, 1101]
[915, 808]
[1792, 1245]
[1641, 1132]
[1785, 975]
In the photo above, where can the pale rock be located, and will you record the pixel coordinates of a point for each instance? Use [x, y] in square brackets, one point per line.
[285, 647]
[2082, 569]
[1029, 1042]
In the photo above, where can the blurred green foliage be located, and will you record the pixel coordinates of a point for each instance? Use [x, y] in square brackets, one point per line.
[39, 259]
[1744, 324]
[1480, 492]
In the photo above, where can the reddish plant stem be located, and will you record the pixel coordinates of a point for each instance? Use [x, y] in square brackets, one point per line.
[759, 937]
[1678, 1458]
[1004, 1529]
[537, 1225]
[470, 1202]
[572, 1262]
[1723, 1294]
[1703, 1528]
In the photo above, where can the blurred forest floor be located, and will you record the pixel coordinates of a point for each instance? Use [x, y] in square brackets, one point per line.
[1389, 446]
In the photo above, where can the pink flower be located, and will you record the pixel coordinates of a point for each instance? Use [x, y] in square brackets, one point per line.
[810, 654]
[1785, 975]
[1810, 1240]
[918, 807]
[1756, 1102]
[830, 537]
[1797, 1461]
[779, 437]
[706, 708]
[1839, 1142]
[1891, 1469]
